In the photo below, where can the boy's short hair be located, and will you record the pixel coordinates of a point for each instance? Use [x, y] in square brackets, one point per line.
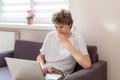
[63, 17]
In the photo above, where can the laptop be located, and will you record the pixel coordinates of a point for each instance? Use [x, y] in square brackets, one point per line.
[22, 69]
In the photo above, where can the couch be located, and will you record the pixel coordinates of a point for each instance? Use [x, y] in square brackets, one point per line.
[24, 49]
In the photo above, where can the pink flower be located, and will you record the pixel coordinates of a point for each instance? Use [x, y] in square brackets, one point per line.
[30, 11]
[30, 14]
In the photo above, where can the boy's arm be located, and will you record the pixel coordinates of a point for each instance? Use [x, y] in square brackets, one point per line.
[41, 59]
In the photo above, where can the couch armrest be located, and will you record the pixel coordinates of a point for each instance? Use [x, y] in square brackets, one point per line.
[98, 71]
[3, 55]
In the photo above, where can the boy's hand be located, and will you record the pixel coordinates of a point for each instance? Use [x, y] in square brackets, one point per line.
[63, 38]
[45, 69]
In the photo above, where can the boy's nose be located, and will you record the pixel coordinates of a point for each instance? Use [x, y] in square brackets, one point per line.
[58, 30]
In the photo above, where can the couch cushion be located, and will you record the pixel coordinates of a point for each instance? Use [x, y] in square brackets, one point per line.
[26, 49]
[5, 74]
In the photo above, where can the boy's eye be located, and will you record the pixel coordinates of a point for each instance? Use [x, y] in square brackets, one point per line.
[61, 26]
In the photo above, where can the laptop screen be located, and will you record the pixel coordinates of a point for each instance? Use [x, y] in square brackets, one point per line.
[21, 69]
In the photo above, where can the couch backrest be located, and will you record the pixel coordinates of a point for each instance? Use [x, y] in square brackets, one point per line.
[30, 49]
[92, 50]
[26, 49]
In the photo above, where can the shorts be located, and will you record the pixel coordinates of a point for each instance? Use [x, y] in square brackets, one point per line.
[56, 71]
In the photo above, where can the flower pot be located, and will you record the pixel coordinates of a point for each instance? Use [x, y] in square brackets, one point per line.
[30, 21]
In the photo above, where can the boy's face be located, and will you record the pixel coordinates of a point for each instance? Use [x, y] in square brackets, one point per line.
[62, 28]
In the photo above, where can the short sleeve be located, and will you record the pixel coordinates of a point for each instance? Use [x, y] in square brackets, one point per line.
[81, 46]
[45, 45]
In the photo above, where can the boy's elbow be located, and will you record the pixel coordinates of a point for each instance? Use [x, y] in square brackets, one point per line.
[87, 66]
[37, 58]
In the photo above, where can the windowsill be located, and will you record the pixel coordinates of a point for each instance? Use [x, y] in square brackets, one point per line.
[26, 26]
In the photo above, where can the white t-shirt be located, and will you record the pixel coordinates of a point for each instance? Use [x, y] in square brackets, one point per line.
[57, 56]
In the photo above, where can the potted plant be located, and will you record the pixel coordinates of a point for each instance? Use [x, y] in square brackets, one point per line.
[30, 17]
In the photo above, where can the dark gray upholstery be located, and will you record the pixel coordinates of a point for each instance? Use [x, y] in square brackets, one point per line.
[5, 74]
[26, 49]
[30, 49]
[5, 54]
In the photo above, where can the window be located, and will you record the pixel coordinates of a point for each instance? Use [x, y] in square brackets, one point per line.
[16, 10]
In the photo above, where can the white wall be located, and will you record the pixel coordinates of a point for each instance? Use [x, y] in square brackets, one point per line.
[98, 21]
[36, 35]
[7, 40]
